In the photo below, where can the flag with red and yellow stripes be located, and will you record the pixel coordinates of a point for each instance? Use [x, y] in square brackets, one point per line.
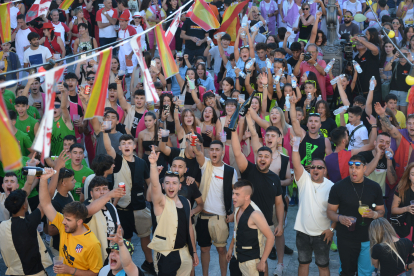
[203, 16]
[96, 105]
[167, 60]
[5, 29]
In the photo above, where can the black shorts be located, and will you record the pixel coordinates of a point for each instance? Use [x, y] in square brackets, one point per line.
[307, 244]
[127, 220]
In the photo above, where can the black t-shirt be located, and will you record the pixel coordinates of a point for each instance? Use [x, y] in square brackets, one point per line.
[73, 99]
[398, 78]
[327, 126]
[382, 163]
[292, 62]
[24, 236]
[121, 128]
[58, 203]
[137, 202]
[192, 29]
[389, 262]
[266, 188]
[370, 67]
[137, 118]
[193, 168]
[337, 102]
[343, 194]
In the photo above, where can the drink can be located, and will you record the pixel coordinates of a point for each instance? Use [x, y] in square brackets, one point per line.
[122, 185]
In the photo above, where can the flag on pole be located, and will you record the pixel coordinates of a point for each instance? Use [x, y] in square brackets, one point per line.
[203, 16]
[96, 105]
[11, 155]
[167, 60]
[65, 5]
[190, 10]
[5, 29]
[39, 8]
[230, 23]
[150, 91]
[43, 139]
[172, 29]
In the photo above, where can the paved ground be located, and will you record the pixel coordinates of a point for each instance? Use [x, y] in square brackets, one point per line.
[290, 261]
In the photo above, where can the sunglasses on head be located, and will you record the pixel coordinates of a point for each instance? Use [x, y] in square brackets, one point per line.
[356, 163]
[315, 114]
[311, 82]
[244, 46]
[166, 92]
[319, 167]
[279, 60]
[171, 173]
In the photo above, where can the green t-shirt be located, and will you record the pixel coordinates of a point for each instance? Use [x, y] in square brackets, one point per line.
[59, 131]
[9, 99]
[24, 142]
[27, 126]
[83, 162]
[79, 175]
[33, 112]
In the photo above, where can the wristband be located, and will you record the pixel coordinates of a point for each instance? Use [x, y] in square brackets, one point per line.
[265, 85]
[75, 271]
[373, 125]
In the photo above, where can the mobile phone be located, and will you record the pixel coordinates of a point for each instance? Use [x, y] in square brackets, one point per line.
[153, 63]
[166, 108]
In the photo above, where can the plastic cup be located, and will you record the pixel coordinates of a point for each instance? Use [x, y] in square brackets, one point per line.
[76, 117]
[56, 56]
[2, 66]
[116, 27]
[164, 135]
[150, 105]
[191, 83]
[182, 100]
[242, 97]
[121, 185]
[353, 220]
[210, 128]
[58, 260]
[40, 227]
[223, 137]
[107, 125]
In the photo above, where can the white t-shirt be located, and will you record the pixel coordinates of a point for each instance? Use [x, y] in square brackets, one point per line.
[21, 41]
[37, 56]
[311, 218]
[4, 213]
[361, 134]
[109, 31]
[215, 53]
[215, 199]
[14, 11]
[353, 7]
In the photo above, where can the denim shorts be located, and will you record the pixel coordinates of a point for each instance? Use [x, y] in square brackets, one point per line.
[307, 244]
[401, 96]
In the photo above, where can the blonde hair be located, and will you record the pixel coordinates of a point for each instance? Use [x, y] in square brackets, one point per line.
[283, 123]
[381, 232]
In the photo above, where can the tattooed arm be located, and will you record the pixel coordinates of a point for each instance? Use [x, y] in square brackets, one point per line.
[391, 174]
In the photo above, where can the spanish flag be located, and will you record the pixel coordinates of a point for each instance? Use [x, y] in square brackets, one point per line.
[203, 16]
[167, 60]
[96, 105]
[11, 155]
[231, 21]
[5, 29]
[65, 5]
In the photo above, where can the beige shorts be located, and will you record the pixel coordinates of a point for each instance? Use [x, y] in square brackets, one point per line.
[212, 230]
[249, 268]
[274, 218]
[167, 262]
[143, 222]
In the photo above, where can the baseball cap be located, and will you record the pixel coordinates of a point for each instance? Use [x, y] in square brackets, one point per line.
[137, 14]
[115, 246]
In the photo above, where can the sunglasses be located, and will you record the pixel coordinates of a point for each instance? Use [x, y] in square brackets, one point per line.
[166, 92]
[348, 16]
[171, 173]
[315, 114]
[244, 46]
[57, 105]
[319, 167]
[305, 9]
[90, 78]
[395, 23]
[356, 163]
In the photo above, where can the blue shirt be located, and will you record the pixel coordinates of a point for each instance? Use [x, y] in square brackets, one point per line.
[230, 71]
[240, 64]
[208, 83]
[175, 87]
[260, 63]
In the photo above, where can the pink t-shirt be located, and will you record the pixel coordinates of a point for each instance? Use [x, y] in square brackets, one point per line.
[304, 67]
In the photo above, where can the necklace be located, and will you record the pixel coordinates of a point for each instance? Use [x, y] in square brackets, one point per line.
[318, 187]
[359, 198]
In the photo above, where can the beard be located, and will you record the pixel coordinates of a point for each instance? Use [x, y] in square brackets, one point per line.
[347, 20]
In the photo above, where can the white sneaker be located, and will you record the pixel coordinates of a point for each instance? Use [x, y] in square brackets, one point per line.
[278, 270]
[286, 222]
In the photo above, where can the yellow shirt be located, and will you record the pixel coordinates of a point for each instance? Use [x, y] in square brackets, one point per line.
[400, 118]
[81, 251]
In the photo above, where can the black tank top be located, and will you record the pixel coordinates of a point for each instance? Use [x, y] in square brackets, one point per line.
[171, 127]
[304, 31]
[311, 148]
[182, 230]
[247, 237]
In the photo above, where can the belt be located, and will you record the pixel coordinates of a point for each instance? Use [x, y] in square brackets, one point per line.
[208, 216]
[122, 209]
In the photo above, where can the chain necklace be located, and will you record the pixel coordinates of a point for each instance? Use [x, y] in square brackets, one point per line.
[318, 187]
[359, 198]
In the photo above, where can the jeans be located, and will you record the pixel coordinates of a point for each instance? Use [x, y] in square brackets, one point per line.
[402, 97]
[354, 256]
[105, 41]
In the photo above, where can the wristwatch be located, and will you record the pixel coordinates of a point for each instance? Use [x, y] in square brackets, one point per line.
[332, 229]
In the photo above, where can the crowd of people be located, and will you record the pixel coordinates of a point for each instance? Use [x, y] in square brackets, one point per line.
[257, 120]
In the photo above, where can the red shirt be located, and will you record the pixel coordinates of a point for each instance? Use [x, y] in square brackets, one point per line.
[304, 67]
